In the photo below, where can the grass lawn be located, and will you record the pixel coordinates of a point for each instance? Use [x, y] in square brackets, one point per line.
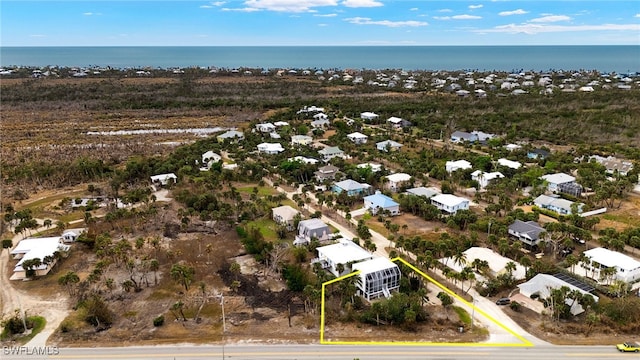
[262, 190]
[267, 228]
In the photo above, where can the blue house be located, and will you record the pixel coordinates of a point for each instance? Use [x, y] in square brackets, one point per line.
[351, 187]
[379, 203]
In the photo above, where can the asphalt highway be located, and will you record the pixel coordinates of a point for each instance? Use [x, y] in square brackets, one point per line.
[333, 352]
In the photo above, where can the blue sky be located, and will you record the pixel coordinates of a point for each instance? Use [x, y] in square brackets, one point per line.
[319, 22]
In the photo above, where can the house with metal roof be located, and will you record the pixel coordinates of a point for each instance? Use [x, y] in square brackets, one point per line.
[37, 248]
[357, 138]
[344, 252]
[542, 284]
[395, 181]
[627, 268]
[270, 148]
[312, 228]
[378, 202]
[424, 191]
[483, 179]
[327, 172]
[232, 135]
[285, 215]
[450, 203]
[330, 152]
[526, 231]
[456, 165]
[388, 145]
[556, 204]
[553, 180]
[351, 187]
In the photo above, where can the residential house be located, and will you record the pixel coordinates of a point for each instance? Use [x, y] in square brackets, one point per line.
[302, 140]
[542, 284]
[351, 187]
[37, 248]
[164, 179]
[614, 165]
[275, 135]
[388, 145]
[208, 159]
[554, 180]
[285, 215]
[599, 259]
[379, 203]
[369, 116]
[463, 136]
[266, 127]
[450, 203]
[281, 123]
[556, 204]
[398, 123]
[512, 147]
[330, 152]
[310, 109]
[345, 252]
[270, 148]
[397, 180]
[378, 277]
[71, 235]
[538, 154]
[312, 229]
[326, 173]
[320, 123]
[483, 179]
[231, 135]
[424, 191]
[358, 138]
[372, 166]
[456, 165]
[509, 163]
[304, 160]
[528, 232]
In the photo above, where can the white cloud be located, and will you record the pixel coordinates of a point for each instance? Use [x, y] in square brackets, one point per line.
[218, 3]
[533, 29]
[551, 18]
[514, 12]
[637, 15]
[206, 6]
[445, 10]
[361, 3]
[288, 5]
[37, 36]
[323, 25]
[475, 6]
[388, 23]
[325, 15]
[458, 17]
[414, 9]
[91, 14]
[245, 9]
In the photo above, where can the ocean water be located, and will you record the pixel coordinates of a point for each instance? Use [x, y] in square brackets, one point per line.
[619, 59]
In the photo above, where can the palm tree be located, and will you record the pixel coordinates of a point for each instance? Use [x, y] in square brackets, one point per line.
[183, 274]
[68, 280]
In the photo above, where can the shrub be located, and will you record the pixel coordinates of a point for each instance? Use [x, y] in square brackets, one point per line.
[515, 306]
[158, 321]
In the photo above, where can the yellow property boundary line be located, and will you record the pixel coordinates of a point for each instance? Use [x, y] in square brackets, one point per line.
[525, 342]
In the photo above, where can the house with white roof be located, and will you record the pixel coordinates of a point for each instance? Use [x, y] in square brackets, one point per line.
[554, 180]
[613, 165]
[528, 232]
[284, 215]
[398, 123]
[450, 203]
[556, 204]
[351, 187]
[397, 180]
[423, 191]
[369, 116]
[275, 135]
[302, 140]
[309, 109]
[542, 284]
[281, 123]
[388, 145]
[378, 202]
[37, 248]
[266, 127]
[509, 163]
[208, 159]
[372, 166]
[164, 179]
[512, 147]
[378, 277]
[483, 179]
[270, 148]
[452, 166]
[345, 252]
[330, 152]
[358, 138]
[304, 160]
[310, 229]
[231, 135]
[627, 268]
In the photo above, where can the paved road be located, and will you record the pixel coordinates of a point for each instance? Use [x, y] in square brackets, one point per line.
[341, 352]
